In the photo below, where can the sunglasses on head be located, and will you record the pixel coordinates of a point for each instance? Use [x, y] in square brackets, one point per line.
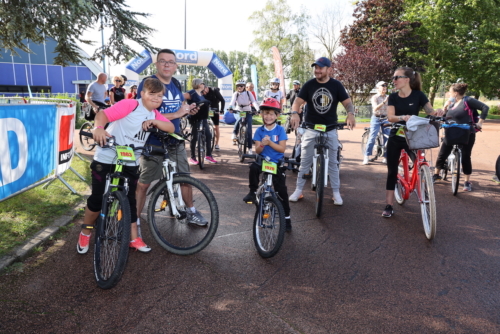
[396, 77]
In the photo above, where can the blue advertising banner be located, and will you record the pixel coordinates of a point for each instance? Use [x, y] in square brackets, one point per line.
[27, 145]
[218, 67]
[141, 62]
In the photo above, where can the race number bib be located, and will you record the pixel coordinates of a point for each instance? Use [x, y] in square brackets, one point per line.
[269, 167]
[400, 132]
[320, 127]
[125, 153]
[243, 113]
[211, 113]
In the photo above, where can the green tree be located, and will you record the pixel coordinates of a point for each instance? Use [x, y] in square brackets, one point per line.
[278, 26]
[64, 20]
[383, 20]
[464, 42]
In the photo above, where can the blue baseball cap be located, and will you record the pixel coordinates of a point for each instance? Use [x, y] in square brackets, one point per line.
[322, 62]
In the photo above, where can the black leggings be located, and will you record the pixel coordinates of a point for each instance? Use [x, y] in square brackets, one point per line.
[279, 184]
[394, 146]
[194, 138]
[99, 172]
[445, 151]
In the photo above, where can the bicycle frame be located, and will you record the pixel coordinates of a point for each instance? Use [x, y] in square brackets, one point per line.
[410, 183]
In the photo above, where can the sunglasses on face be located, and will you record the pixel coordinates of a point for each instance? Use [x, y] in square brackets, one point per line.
[396, 77]
[383, 85]
[118, 81]
[240, 86]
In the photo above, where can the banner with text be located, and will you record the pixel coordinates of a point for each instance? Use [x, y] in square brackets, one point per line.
[27, 145]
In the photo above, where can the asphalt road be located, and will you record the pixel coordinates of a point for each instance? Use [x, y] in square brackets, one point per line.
[352, 271]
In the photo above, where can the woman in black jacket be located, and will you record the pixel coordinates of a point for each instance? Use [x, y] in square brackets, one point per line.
[458, 113]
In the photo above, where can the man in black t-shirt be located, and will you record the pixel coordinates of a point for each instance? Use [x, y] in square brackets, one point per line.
[215, 98]
[322, 95]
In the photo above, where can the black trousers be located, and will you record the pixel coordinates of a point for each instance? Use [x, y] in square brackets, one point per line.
[279, 184]
[394, 146]
[445, 151]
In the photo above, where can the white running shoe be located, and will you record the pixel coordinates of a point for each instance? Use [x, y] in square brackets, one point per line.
[297, 194]
[233, 137]
[249, 151]
[366, 160]
[337, 200]
[384, 161]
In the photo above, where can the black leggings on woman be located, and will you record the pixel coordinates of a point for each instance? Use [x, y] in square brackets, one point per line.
[194, 138]
[445, 151]
[394, 146]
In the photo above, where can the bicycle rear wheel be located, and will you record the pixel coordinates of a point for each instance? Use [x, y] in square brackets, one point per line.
[320, 183]
[455, 172]
[269, 227]
[212, 132]
[242, 142]
[176, 234]
[364, 140]
[427, 202]
[112, 240]
[497, 168]
[87, 143]
[200, 148]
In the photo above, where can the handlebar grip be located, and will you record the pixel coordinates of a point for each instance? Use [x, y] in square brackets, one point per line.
[250, 156]
[86, 134]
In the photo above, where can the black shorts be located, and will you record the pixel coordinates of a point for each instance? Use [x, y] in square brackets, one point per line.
[215, 118]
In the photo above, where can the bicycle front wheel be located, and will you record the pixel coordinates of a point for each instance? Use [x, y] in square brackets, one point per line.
[427, 202]
[212, 132]
[242, 142]
[455, 172]
[87, 143]
[112, 240]
[320, 183]
[269, 227]
[182, 235]
[399, 190]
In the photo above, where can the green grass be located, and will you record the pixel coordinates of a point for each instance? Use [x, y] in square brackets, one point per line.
[25, 214]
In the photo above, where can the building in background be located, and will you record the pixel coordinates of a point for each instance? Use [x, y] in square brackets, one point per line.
[37, 70]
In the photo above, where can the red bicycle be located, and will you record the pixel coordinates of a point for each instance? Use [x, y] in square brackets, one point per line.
[417, 178]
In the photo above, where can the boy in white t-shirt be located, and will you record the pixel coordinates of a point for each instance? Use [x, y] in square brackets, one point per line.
[130, 119]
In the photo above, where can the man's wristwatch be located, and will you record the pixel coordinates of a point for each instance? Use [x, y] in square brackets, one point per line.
[294, 112]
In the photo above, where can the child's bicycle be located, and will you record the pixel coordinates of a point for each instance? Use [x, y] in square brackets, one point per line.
[112, 228]
[420, 182]
[269, 221]
[168, 210]
[244, 132]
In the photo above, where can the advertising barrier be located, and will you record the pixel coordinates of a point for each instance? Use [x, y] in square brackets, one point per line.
[36, 143]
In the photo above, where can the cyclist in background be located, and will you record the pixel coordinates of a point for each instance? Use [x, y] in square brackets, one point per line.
[401, 106]
[201, 116]
[322, 95]
[130, 119]
[270, 141]
[213, 95]
[292, 94]
[460, 115]
[274, 90]
[379, 117]
[242, 101]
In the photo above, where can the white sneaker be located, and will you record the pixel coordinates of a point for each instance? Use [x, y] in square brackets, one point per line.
[249, 151]
[297, 194]
[337, 200]
[366, 160]
[384, 161]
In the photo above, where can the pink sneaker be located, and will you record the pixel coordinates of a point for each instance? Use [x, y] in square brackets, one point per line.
[210, 159]
[193, 161]
[83, 243]
[139, 245]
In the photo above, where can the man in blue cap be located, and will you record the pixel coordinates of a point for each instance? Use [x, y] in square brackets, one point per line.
[322, 95]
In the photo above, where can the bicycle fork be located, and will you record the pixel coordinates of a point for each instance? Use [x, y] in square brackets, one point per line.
[325, 167]
[176, 199]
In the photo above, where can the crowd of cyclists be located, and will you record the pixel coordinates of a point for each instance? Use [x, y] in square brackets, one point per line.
[161, 103]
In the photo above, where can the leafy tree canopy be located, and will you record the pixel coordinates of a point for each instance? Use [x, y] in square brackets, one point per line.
[383, 20]
[64, 20]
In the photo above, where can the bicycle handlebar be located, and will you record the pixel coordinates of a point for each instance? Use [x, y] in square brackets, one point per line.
[258, 159]
[110, 141]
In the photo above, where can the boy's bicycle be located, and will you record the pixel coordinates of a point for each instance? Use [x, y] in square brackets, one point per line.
[418, 179]
[87, 143]
[170, 214]
[319, 173]
[269, 221]
[112, 228]
[380, 142]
